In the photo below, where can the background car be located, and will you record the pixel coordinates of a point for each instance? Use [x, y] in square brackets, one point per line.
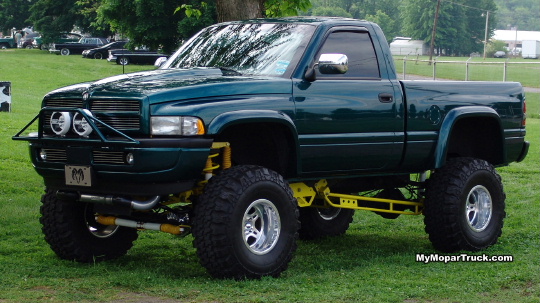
[499, 54]
[103, 51]
[84, 43]
[139, 56]
[64, 38]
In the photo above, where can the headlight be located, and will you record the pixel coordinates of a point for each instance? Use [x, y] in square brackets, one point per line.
[60, 123]
[179, 126]
[80, 125]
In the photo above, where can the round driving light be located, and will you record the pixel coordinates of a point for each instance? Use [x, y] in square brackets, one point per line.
[43, 155]
[60, 122]
[80, 125]
[130, 159]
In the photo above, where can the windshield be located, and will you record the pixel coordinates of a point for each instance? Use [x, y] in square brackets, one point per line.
[253, 49]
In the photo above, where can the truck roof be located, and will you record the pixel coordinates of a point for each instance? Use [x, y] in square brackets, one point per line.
[315, 20]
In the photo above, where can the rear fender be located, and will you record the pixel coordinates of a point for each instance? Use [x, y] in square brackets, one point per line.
[452, 118]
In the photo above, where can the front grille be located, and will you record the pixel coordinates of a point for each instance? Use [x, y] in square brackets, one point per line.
[115, 106]
[108, 157]
[64, 103]
[99, 157]
[123, 115]
[121, 123]
[54, 155]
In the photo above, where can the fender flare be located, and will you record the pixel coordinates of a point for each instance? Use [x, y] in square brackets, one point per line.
[450, 120]
[224, 120]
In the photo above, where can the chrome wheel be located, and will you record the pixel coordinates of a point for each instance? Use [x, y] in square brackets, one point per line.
[262, 226]
[102, 231]
[329, 213]
[96, 229]
[478, 208]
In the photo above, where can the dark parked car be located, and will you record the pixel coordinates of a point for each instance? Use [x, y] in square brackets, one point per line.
[102, 52]
[140, 56]
[78, 47]
[64, 38]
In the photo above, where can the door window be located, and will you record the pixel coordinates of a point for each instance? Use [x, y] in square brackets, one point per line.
[359, 49]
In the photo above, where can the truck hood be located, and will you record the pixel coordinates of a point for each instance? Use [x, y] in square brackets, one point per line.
[165, 85]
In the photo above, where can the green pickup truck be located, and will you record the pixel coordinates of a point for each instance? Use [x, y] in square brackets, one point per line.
[7, 42]
[257, 133]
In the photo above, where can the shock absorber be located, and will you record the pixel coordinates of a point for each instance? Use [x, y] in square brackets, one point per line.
[211, 166]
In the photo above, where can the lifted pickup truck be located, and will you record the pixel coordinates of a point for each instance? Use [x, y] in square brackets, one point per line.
[256, 133]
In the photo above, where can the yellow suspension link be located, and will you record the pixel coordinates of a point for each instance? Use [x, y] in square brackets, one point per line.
[305, 196]
[168, 228]
[208, 171]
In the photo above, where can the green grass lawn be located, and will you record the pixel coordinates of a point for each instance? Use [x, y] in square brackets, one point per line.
[373, 262]
[526, 71]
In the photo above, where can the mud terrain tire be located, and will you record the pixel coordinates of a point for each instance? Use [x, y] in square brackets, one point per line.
[464, 207]
[324, 222]
[73, 234]
[246, 223]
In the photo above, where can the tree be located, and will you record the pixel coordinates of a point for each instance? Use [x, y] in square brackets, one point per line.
[476, 13]
[52, 17]
[14, 14]
[89, 21]
[521, 13]
[494, 46]
[331, 11]
[153, 22]
[281, 8]
[231, 10]
[461, 25]
[386, 13]
[386, 23]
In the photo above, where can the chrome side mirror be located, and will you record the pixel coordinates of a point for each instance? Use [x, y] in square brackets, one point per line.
[159, 61]
[333, 64]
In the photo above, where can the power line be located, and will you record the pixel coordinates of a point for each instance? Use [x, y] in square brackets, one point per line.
[468, 6]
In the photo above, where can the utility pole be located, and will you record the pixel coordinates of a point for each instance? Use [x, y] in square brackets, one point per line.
[434, 32]
[486, 35]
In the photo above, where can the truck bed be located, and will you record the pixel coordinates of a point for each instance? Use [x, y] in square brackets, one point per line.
[433, 107]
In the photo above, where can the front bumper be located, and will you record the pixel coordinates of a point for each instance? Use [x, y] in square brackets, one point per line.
[159, 167]
[118, 164]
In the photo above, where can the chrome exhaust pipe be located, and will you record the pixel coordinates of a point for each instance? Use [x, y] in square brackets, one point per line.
[111, 200]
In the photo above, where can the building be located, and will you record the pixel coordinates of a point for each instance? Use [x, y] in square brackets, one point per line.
[515, 38]
[406, 46]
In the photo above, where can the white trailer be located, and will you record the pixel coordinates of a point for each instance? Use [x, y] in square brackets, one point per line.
[530, 49]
